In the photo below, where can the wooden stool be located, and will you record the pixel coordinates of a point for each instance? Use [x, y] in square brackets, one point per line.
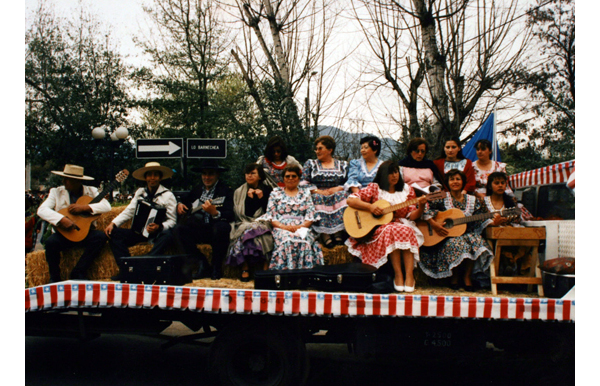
[500, 237]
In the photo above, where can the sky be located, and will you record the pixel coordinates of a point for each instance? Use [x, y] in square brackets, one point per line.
[126, 19]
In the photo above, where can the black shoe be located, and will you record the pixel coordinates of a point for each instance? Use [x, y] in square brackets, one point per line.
[245, 279]
[216, 274]
[201, 272]
[469, 288]
[75, 275]
[117, 277]
[454, 287]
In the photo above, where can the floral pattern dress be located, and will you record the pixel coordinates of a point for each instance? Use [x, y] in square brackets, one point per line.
[275, 171]
[330, 209]
[439, 260]
[400, 233]
[359, 174]
[293, 250]
[481, 177]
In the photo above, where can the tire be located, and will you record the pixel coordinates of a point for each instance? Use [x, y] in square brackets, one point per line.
[268, 355]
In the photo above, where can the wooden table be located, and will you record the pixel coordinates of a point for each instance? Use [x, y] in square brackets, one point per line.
[500, 237]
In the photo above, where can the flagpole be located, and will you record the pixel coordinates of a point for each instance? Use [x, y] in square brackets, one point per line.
[495, 143]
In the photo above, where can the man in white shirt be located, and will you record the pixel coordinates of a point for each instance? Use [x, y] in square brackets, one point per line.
[66, 197]
[155, 193]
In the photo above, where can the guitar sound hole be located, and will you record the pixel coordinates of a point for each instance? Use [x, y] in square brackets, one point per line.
[449, 223]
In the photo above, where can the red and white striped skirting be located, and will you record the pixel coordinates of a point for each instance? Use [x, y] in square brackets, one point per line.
[73, 294]
[553, 174]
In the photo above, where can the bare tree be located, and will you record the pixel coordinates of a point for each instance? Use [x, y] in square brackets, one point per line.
[188, 48]
[463, 52]
[283, 48]
[384, 27]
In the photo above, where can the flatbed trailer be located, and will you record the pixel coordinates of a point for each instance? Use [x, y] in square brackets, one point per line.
[259, 336]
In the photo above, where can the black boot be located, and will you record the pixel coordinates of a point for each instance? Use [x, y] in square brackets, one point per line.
[203, 268]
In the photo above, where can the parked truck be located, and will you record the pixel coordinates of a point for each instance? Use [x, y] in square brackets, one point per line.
[259, 337]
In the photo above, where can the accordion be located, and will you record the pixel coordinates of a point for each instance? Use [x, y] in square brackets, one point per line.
[147, 213]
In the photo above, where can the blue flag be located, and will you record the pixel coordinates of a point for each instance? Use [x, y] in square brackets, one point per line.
[486, 131]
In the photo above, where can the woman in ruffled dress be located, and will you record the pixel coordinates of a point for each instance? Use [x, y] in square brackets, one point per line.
[274, 160]
[399, 239]
[251, 240]
[324, 178]
[417, 169]
[291, 213]
[361, 171]
[453, 158]
[497, 199]
[469, 252]
[484, 166]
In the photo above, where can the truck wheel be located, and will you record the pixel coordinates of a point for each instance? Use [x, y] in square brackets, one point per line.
[259, 355]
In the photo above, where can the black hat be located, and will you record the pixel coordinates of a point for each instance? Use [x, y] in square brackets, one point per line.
[209, 164]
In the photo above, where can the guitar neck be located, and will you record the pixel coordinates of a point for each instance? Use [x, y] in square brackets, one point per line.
[482, 216]
[404, 204]
[104, 192]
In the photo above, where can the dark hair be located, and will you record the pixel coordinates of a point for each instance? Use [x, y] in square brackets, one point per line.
[373, 142]
[157, 171]
[484, 144]
[327, 141]
[292, 168]
[414, 144]
[381, 178]
[456, 140]
[272, 144]
[455, 172]
[252, 166]
[508, 200]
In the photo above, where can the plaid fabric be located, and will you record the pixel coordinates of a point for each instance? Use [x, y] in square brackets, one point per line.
[206, 195]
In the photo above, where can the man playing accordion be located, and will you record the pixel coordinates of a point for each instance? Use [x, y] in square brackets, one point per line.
[162, 204]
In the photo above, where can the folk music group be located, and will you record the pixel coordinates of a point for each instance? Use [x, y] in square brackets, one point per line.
[275, 219]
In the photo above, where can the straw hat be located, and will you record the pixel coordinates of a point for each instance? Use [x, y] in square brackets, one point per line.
[73, 171]
[139, 174]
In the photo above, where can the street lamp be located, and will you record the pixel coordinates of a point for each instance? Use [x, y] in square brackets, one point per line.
[116, 139]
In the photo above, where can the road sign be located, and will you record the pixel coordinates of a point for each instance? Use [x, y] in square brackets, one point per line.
[206, 148]
[159, 148]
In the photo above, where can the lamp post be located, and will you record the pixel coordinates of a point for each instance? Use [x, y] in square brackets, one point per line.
[116, 138]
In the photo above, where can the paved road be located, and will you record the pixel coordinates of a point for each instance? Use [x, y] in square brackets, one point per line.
[138, 360]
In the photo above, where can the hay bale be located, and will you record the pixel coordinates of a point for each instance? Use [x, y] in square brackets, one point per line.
[36, 267]
[337, 255]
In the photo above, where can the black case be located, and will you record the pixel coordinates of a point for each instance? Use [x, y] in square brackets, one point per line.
[173, 269]
[353, 277]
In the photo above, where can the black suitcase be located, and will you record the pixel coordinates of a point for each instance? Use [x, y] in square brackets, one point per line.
[168, 269]
[352, 277]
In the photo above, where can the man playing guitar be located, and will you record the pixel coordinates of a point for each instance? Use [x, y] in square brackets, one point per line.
[66, 197]
[209, 225]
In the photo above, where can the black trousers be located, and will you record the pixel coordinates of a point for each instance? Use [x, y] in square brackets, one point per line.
[57, 243]
[186, 236]
[121, 239]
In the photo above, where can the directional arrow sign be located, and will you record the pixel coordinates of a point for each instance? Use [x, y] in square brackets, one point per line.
[159, 148]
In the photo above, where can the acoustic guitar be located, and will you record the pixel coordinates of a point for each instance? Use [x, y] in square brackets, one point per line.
[359, 223]
[83, 221]
[456, 223]
[217, 202]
